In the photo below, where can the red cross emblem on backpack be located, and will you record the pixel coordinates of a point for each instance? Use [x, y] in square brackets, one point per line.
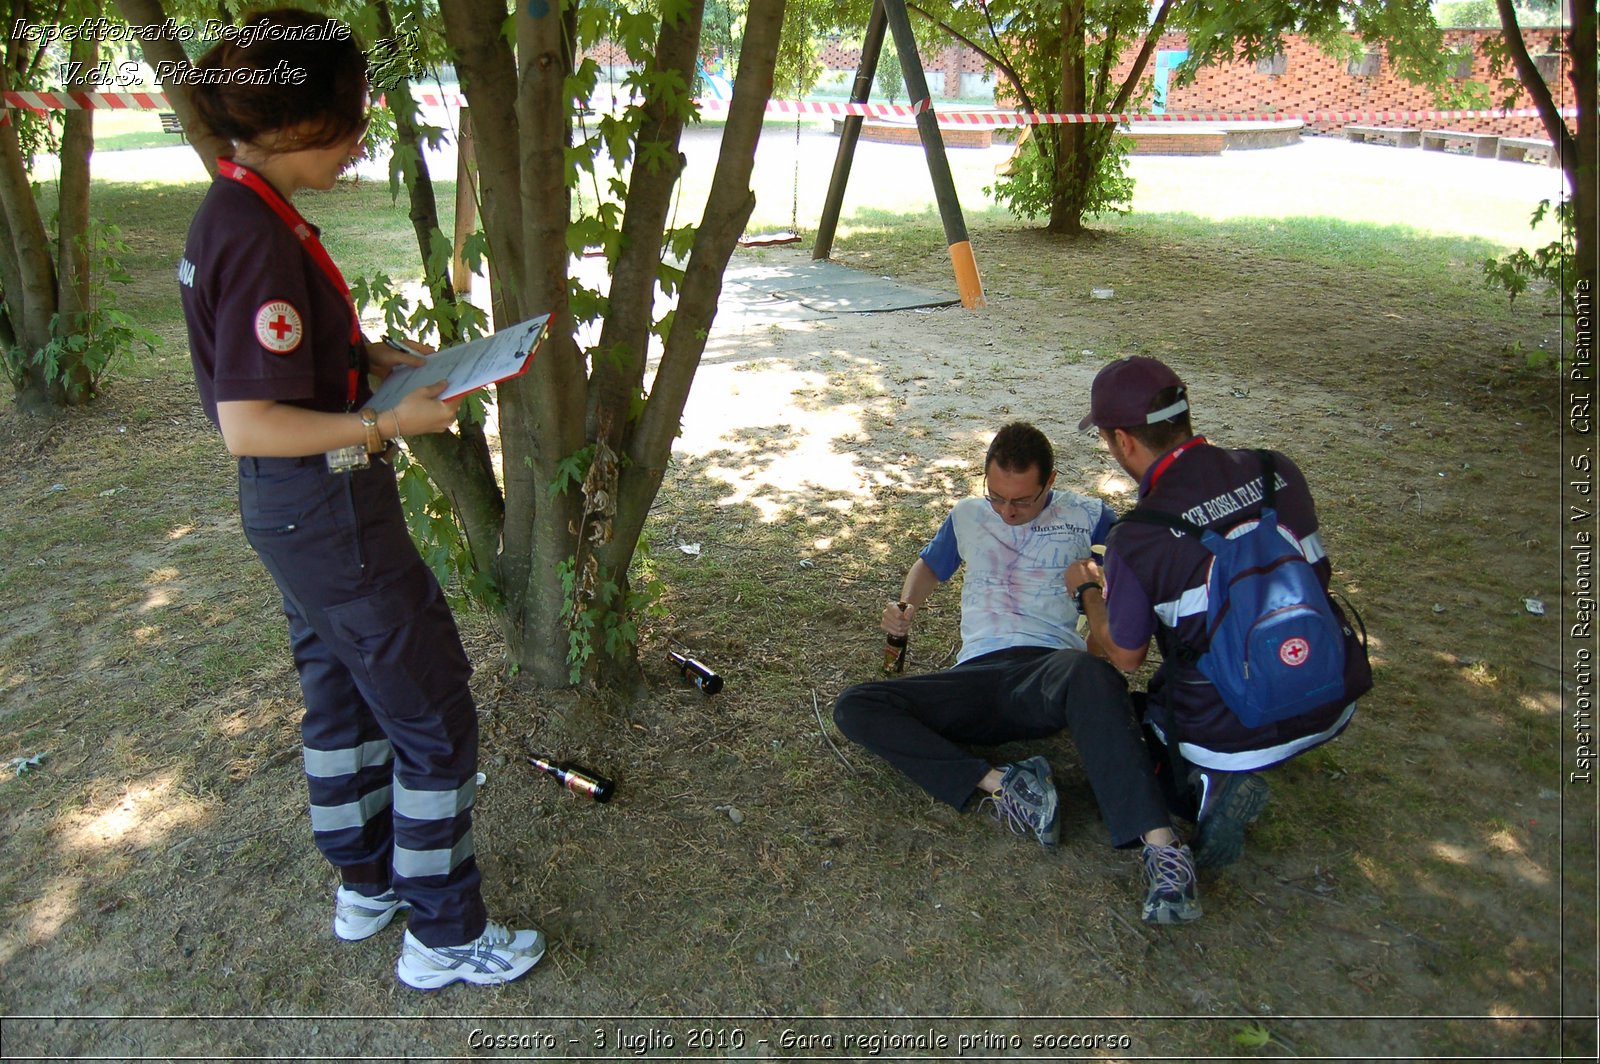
[1294, 651]
[278, 327]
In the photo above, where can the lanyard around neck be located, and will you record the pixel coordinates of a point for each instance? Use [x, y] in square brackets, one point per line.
[308, 240]
[1171, 456]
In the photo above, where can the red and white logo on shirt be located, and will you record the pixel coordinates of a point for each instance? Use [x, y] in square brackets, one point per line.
[278, 327]
[1294, 652]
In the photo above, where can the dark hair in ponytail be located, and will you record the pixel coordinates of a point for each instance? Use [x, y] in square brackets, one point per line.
[282, 68]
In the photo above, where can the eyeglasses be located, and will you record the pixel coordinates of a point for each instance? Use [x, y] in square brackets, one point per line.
[1019, 504]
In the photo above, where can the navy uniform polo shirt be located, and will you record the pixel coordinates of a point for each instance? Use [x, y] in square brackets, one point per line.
[1156, 586]
[264, 321]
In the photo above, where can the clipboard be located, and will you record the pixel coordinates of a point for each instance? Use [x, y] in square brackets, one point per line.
[467, 367]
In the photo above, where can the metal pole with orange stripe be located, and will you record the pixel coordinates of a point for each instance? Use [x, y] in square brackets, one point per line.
[944, 186]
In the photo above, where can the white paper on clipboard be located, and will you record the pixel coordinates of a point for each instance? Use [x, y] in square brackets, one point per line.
[467, 367]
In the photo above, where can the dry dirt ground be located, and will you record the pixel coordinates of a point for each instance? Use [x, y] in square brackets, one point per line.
[1421, 887]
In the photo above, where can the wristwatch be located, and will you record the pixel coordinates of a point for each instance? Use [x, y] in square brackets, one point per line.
[375, 442]
[1077, 596]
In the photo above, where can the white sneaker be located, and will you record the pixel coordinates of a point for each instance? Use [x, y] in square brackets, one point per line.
[356, 916]
[494, 957]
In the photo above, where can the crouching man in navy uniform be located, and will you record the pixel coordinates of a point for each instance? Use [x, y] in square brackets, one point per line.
[1022, 674]
[1155, 586]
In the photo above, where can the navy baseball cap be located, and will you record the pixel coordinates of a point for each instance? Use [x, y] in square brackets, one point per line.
[1122, 393]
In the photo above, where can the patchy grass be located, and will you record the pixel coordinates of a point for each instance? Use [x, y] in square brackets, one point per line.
[1401, 897]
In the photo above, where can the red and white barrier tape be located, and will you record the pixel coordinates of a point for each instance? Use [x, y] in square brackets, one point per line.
[156, 101]
[1013, 118]
[86, 101]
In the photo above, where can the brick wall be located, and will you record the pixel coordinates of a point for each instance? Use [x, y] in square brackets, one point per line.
[1305, 79]
[944, 68]
[1302, 79]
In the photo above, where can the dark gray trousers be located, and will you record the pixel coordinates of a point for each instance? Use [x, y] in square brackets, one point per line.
[919, 723]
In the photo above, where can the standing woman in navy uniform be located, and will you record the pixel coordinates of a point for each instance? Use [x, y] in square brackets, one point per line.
[390, 729]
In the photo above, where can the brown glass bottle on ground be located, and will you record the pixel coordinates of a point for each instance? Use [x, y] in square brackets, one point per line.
[575, 778]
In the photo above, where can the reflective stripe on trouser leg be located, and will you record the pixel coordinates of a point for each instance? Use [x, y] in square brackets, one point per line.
[338, 547]
[435, 867]
[406, 658]
[429, 822]
[348, 761]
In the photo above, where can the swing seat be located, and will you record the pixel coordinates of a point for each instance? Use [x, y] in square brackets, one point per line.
[770, 240]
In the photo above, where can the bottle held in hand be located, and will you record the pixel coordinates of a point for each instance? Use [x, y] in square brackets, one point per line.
[894, 650]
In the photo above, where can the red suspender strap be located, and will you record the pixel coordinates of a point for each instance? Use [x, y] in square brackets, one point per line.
[308, 240]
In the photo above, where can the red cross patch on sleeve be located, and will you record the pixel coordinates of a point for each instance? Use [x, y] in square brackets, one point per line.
[278, 327]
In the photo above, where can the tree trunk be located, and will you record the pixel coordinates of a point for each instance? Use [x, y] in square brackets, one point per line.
[1071, 163]
[542, 412]
[490, 80]
[618, 373]
[1081, 150]
[159, 49]
[488, 73]
[728, 207]
[601, 559]
[562, 405]
[458, 463]
[30, 274]
[1583, 171]
[1578, 151]
[74, 383]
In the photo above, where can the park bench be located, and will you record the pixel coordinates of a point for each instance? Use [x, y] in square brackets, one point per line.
[1517, 148]
[1482, 144]
[170, 124]
[1399, 136]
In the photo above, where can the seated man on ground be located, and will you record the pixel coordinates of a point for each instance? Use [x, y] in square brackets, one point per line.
[1022, 674]
[1156, 585]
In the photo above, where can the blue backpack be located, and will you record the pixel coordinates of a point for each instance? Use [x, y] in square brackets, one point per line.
[1276, 643]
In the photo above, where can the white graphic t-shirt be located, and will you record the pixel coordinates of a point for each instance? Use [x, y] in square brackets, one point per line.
[1015, 592]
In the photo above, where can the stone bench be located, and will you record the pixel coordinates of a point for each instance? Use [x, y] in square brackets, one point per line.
[1483, 145]
[884, 131]
[1517, 149]
[1164, 138]
[1399, 136]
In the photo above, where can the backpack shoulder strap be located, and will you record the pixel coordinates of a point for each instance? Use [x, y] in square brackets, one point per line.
[1269, 479]
[1184, 654]
[1355, 614]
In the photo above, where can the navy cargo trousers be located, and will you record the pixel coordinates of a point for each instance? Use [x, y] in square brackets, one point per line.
[919, 725]
[390, 731]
